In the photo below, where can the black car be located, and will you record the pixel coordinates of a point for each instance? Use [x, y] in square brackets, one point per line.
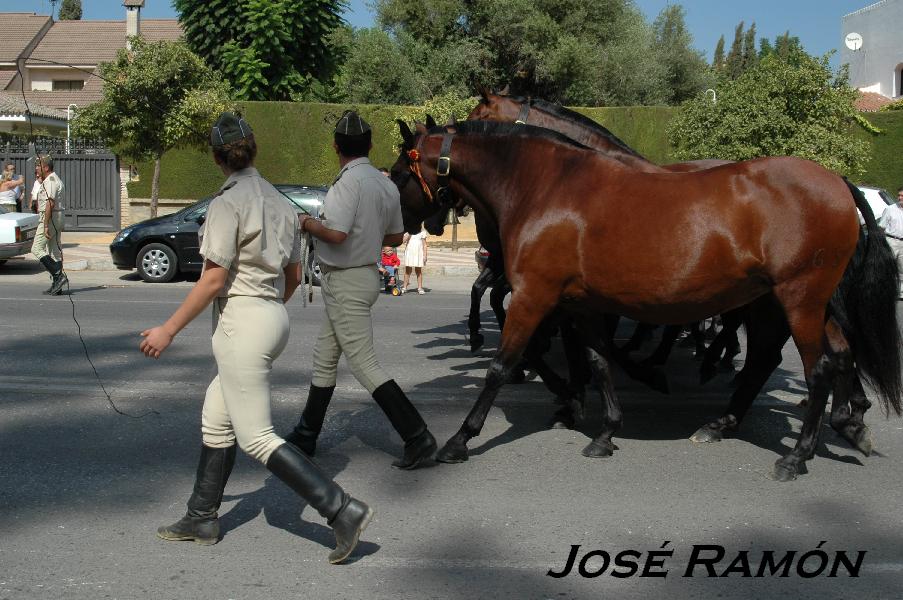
[162, 247]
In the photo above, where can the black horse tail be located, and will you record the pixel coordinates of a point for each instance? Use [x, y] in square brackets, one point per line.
[865, 306]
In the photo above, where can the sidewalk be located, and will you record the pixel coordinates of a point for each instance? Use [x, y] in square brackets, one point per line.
[90, 251]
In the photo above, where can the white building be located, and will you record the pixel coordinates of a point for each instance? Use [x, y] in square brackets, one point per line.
[872, 45]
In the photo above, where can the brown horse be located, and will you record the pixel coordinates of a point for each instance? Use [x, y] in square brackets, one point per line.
[848, 421]
[535, 111]
[776, 225]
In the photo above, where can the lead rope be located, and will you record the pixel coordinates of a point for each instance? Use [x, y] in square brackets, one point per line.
[59, 244]
[307, 275]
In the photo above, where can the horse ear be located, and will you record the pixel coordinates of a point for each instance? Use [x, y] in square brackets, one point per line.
[505, 90]
[406, 134]
[484, 92]
[430, 121]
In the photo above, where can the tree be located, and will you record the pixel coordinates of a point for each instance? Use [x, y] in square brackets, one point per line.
[780, 107]
[70, 10]
[750, 56]
[718, 57]
[156, 97]
[685, 67]
[733, 64]
[586, 52]
[267, 49]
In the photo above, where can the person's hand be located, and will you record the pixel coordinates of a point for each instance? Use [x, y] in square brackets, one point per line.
[155, 341]
[47, 233]
[304, 219]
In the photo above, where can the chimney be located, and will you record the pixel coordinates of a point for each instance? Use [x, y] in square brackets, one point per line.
[132, 18]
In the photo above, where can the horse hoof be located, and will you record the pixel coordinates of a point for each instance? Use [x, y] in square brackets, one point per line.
[452, 453]
[706, 435]
[476, 342]
[783, 473]
[860, 438]
[598, 450]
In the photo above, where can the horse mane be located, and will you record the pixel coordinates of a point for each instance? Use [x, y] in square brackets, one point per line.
[496, 128]
[575, 117]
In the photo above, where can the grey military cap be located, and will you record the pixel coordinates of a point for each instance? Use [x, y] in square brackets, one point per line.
[351, 124]
[229, 128]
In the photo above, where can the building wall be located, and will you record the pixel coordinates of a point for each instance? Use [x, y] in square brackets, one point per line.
[42, 79]
[876, 66]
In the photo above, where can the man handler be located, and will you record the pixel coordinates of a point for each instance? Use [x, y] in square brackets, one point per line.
[47, 246]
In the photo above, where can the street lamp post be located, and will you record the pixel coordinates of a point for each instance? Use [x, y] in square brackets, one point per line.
[68, 129]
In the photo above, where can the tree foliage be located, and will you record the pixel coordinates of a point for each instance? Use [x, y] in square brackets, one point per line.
[794, 106]
[156, 97]
[267, 49]
[70, 10]
[579, 52]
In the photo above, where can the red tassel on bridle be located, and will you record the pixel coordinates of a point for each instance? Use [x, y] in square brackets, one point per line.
[414, 156]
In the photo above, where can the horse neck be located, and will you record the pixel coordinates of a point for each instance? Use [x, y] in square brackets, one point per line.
[595, 139]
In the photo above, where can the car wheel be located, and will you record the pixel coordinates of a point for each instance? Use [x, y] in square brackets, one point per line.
[313, 268]
[157, 263]
[2, 261]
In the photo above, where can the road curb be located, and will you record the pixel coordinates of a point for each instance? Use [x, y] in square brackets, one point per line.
[105, 264]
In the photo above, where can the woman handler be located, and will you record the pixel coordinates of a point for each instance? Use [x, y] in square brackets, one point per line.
[252, 250]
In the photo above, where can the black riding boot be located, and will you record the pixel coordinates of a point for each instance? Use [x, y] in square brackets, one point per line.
[347, 517]
[52, 267]
[304, 435]
[419, 443]
[201, 522]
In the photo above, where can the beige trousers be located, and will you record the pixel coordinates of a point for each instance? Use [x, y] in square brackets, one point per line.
[348, 295]
[249, 335]
[42, 245]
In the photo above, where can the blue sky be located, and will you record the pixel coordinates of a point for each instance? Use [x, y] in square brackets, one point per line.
[816, 22]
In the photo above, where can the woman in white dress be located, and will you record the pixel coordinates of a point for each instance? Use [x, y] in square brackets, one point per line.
[414, 259]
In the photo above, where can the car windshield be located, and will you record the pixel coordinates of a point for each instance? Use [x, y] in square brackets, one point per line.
[307, 199]
[886, 197]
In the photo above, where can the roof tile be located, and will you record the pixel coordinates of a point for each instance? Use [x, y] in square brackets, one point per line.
[19, 29]
[93, 42]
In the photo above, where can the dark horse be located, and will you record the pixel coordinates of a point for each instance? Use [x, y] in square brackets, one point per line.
[784, 226]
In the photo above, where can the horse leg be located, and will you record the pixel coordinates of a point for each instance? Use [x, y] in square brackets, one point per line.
[766, 339]
[825, 352]
[500, 289]
[596, 353]
[726, 341]
[699, 332]
[579, 374]
[661, 354]
[848, 409]
[483, 281]
[641, 333]
[526, 312]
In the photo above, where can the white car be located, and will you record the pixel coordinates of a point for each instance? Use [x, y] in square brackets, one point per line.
[877, 198]
[16, 234]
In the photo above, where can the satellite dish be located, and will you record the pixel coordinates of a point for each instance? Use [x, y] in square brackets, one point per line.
[853, 41]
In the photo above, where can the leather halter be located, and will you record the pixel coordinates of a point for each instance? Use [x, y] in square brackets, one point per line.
[524, 112]
[443, 170]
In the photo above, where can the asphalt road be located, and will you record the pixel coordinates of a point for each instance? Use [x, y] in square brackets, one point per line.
[83, 489]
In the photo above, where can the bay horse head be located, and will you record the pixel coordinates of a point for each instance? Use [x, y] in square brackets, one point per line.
[424, 202]
[500, 107]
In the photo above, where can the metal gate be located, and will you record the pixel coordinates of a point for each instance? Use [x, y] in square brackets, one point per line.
[91, 185]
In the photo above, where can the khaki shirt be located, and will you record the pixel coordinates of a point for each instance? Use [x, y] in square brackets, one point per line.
[51, 187]
[365, 204]
[252, 231]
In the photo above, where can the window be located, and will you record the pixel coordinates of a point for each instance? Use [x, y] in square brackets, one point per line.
[67, 85]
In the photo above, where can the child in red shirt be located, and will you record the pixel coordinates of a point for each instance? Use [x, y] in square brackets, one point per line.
[388, 263]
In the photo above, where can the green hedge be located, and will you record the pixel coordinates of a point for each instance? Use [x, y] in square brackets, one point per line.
[295, 141]
[885, 169]
[295, 145]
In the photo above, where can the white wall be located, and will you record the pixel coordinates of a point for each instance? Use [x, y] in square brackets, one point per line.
[42, 79]
[875, 66]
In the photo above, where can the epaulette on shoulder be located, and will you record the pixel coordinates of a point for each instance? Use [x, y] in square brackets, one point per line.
[223, 189]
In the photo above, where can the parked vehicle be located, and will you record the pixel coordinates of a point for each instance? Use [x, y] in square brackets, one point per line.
[162, 247]
[17, 232]
[877, 198]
